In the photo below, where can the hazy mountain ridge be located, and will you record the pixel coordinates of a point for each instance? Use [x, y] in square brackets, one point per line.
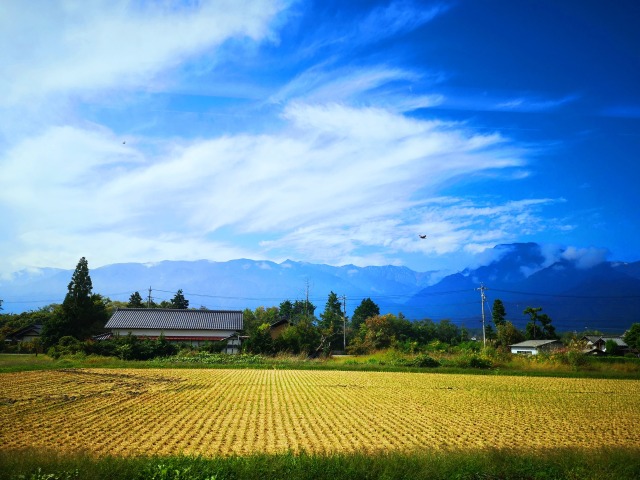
[604, 296]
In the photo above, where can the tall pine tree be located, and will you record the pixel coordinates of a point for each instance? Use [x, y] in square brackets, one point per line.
[82, 312]
[178, 301]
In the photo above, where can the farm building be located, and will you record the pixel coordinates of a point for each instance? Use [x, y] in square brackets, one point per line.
[26, 334]
[599, 343]
[533, 347]
[189, 326]
[276, 329]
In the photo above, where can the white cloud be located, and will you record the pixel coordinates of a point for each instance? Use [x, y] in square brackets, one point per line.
[83, 47]
[340, 176]
[585, 258]
[334, 180]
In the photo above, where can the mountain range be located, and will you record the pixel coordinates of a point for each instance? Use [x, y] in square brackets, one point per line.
[576, 295]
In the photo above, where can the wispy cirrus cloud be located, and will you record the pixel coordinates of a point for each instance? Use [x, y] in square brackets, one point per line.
[85, 47]
[399, 16]
[466, 99]
[332, 181]
[333, 171]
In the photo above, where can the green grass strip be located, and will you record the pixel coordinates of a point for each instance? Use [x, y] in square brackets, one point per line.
[485, 464]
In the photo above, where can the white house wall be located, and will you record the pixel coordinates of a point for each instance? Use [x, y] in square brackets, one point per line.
[172, 333]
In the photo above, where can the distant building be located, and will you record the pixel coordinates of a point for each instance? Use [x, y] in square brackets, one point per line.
[599, 343]
[533, 347]
[277, 328]
[194, 327]
[25, 334]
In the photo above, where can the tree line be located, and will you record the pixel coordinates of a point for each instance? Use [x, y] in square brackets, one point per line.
[292, 326]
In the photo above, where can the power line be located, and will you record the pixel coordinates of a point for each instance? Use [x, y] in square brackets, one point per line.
[560, 295]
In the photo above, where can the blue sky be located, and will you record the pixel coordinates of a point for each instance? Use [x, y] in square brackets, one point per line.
[328, 132]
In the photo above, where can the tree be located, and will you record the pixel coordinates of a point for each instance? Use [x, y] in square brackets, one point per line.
[498, 313]
[508, 334]
[135, 301]
[294, 312]
[82, 313]
[78, 296]
[375, 333]
[331, 318]
[178, 301]
[611, 347]
[539, 326]
[301, 337]
[367, 308]
[632, 337]
[447, 332]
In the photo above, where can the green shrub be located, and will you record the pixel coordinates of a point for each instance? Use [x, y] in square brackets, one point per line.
[473, 361]
[424, 361]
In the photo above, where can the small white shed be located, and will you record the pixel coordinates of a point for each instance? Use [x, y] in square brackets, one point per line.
[533, 347]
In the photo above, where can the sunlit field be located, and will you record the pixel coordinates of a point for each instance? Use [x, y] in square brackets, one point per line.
[224, 412]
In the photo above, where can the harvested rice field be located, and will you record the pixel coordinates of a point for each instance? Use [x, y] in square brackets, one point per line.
[226, 412]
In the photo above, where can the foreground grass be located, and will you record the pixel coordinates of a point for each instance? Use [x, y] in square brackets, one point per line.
[612, 368]
[484, 464]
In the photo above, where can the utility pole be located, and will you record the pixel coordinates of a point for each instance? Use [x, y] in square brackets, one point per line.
[483, 298]
[344, 323]
[306, 303]
[149, 298]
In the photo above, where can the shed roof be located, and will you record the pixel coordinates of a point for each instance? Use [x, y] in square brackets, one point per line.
[619, 340]
[165, 319]
[34, 329]
[616, 338]
[534, 343]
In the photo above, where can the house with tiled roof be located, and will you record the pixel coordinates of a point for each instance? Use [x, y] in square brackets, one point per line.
[194, 327]
[25, 334]
[599, 342]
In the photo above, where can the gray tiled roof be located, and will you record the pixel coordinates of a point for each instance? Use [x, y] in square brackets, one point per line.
[160, 318]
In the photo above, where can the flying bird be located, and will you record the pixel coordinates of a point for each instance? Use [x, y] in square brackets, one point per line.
[422, 236]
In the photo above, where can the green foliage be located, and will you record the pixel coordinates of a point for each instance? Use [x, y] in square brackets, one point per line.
[301, 338]
[632, 337]
[253, 319]
[469, 347]
[383, 331]
[473, 361]
[82, 313]
[508, 334]
[447, 332]
[423, 361]
[498, 313]
[259, 340]
[539, 326]
[178, 301]
[367, 308]
[506, 464]
[70, 345]
[131, 348]
[294, 311]
[331, 320]
[206, 358]
[611, 347]
[135, 301]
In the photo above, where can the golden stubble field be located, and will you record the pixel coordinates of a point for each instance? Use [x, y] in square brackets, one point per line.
[223, 412]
